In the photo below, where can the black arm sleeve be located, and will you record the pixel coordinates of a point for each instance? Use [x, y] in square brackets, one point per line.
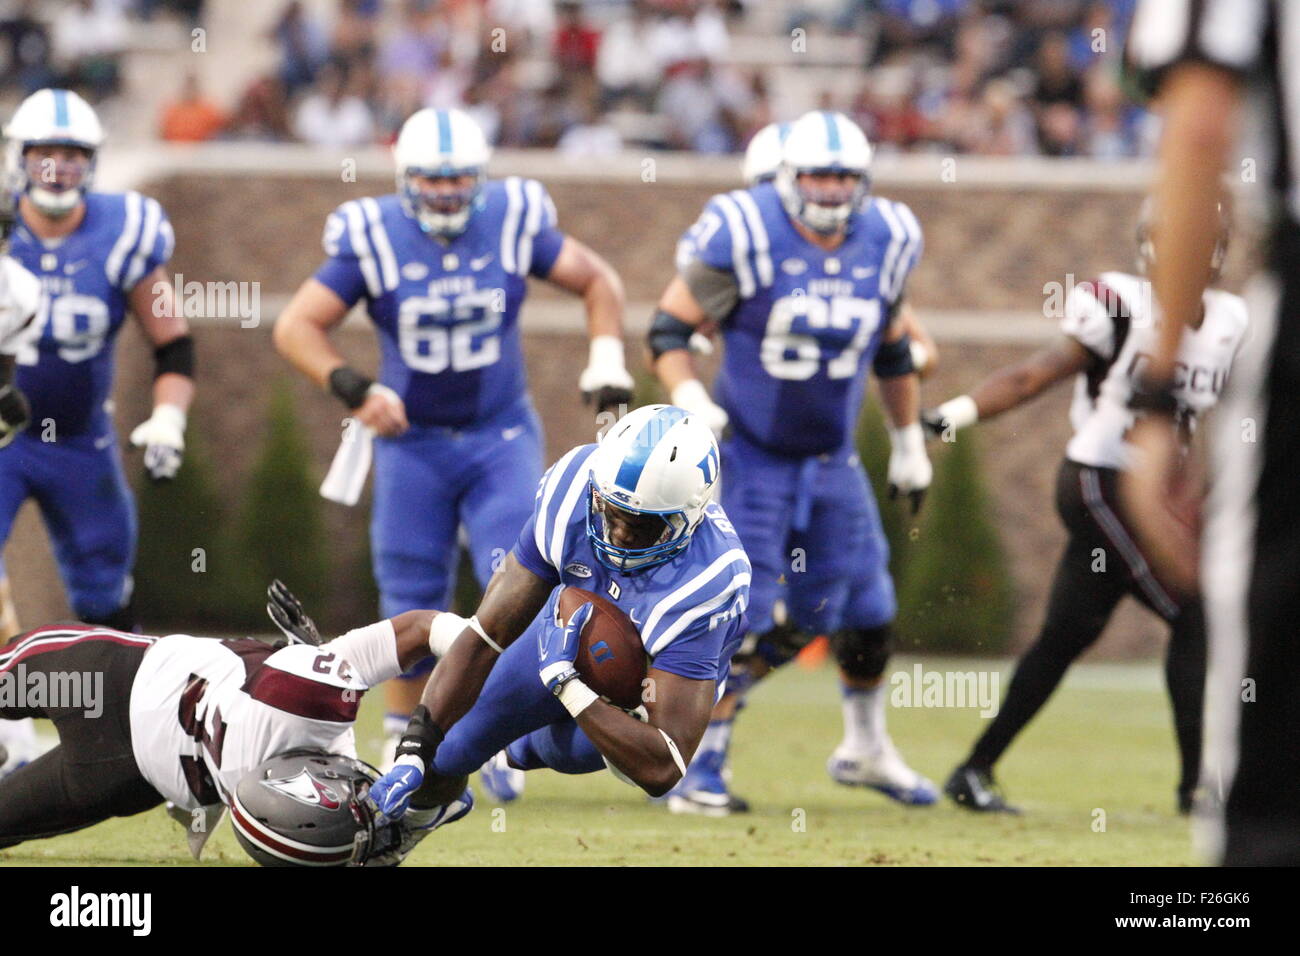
[894, 358]
[175, 357]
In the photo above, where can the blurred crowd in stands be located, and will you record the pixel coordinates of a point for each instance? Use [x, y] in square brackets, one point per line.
[590, 77]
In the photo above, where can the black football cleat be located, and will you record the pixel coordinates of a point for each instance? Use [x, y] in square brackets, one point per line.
[973, 789]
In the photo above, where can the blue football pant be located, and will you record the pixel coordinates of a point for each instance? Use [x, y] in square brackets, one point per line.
[516, 712]
[812, 532]
[431, 481]
[88, 510]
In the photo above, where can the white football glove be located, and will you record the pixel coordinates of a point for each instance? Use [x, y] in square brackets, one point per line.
[909, 466]
[694, 397]
[605, 380]
[162, 436]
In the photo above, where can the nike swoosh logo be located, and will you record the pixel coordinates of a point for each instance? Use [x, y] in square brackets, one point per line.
[73, 267]
[510, 434]
[480, 262]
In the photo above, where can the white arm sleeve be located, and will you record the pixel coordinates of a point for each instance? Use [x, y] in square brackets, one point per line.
[371, 650]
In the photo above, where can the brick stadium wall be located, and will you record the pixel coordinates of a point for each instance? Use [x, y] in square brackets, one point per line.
[985, 249]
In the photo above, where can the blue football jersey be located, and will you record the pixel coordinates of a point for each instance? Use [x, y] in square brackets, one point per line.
[66, 368]
[690, 610]
[808, 322]
[447, 313]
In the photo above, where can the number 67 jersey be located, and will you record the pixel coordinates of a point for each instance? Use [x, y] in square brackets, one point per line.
[800, 323]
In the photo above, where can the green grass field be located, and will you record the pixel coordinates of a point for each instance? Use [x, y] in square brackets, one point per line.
[1104, 743]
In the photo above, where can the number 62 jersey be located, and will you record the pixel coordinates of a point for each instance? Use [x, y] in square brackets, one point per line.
[447, 313]
[800, 324]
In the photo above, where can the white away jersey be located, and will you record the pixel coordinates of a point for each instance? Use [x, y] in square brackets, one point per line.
[205, 712]
[20, 299]
[1115, 318]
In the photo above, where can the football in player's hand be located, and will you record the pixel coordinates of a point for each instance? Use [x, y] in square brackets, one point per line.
[611, 658]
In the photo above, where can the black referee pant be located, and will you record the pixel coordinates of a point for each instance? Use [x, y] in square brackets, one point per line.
[1101, 564]
[1251, 577]
[92, 774]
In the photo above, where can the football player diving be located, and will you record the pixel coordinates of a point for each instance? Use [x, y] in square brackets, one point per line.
[206, 724]
[1110, 327]
[443, 267]
[805, 277]
[631, 519]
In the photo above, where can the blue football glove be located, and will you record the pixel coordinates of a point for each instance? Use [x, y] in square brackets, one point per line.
[391, 794]
[557, 648]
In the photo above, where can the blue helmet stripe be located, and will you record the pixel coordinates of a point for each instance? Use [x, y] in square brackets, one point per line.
[832, 133]
[444, 131]
[60, 107]
[629, 473]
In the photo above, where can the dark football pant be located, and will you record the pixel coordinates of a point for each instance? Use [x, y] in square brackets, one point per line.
[92, 774]
[1251, 575]
[1101, 564]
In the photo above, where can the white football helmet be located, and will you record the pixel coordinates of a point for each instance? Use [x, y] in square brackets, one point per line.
[657, 460]
[763, 155]
[823, 142]
[441, 143]
[52, 118]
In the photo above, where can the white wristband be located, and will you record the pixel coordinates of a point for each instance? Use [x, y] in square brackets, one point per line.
[673, 751]
[960, 412]
[691, 395]
[606, 350]
[577, 697]
[920, 356]
[444, 630]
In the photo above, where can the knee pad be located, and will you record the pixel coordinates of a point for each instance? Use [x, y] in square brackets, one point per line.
[862, 652]
[779, 645]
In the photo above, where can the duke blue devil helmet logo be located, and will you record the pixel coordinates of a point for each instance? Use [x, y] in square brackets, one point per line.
[658, 460]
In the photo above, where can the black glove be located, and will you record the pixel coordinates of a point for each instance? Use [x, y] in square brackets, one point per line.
[14, 413]
[933, 422]
[287, 613]
[609, 398]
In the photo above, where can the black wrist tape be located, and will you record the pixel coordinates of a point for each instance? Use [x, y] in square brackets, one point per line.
[1155, 398]
[350, 386]
[175, 357]
[422, 737]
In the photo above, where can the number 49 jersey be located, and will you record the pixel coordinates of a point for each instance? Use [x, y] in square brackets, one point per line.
[447, 313]
[66, 367]
[805, 322]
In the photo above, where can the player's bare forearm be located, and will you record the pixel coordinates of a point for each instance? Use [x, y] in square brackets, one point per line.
[675, 367]
[1200, 107]
[1016, 384]
[301, 333]
[580, 270]
[513, 598]
[411, 632]
[901, 396]
[173, 389]
[680, 708]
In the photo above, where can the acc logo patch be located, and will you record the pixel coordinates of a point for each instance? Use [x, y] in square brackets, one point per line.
[794, 267]
[577, 569]
[305, 788]
[415, 271]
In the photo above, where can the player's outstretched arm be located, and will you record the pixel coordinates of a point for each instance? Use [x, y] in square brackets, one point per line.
[1008, 387]
[301, 335]
[578, 269]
